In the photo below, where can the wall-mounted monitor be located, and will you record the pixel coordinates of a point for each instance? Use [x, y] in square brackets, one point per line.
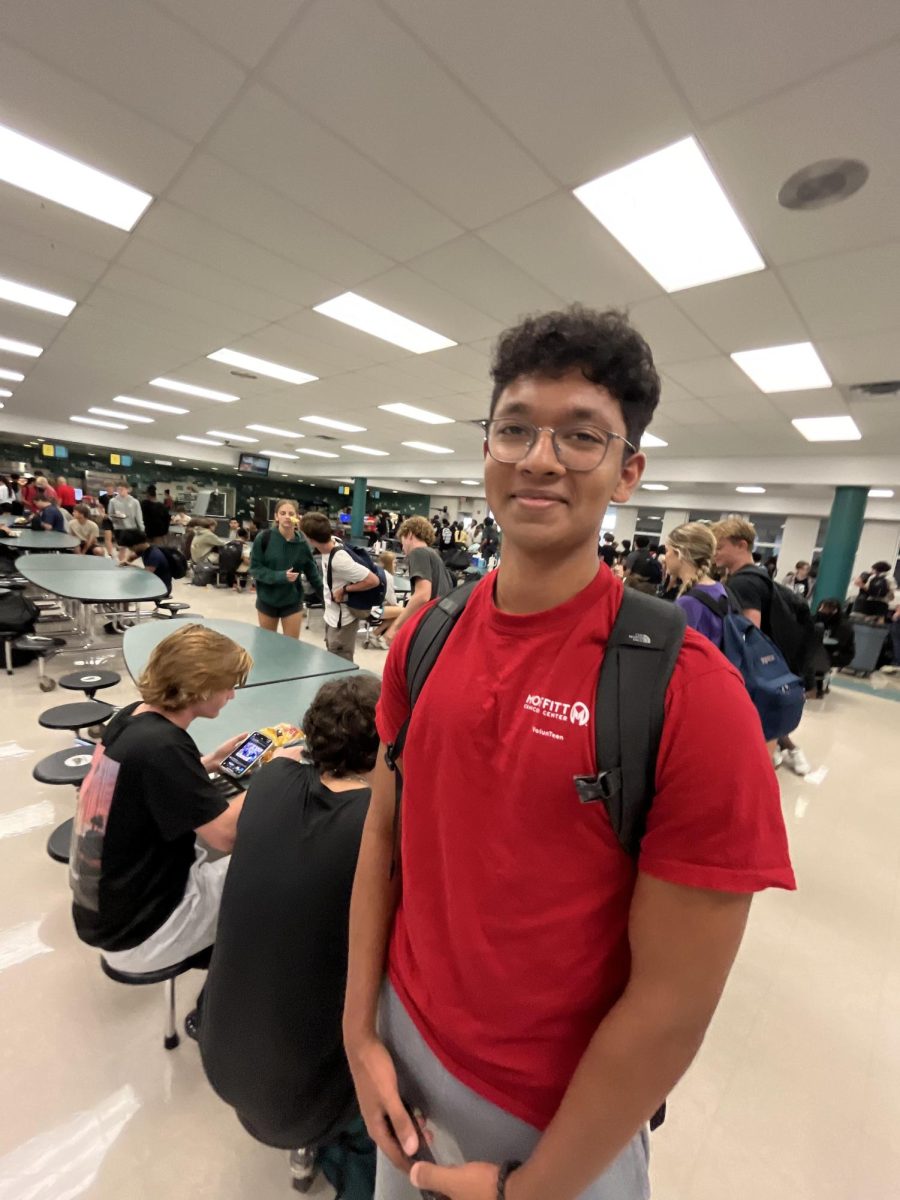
[253, 464]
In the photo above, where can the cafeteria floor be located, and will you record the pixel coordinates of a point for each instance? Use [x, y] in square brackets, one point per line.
[795, 1095]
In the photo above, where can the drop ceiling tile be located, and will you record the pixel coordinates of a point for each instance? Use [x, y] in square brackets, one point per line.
[824, 402]
[132, 53]
[711, 377]
[410, 116]
[310, 166]
[34, 257]
[558, 243]
[671, 335]
[686, 412]
[848, 294]
[745, 313]
[217, 192]
[745, 409]
[331, 342]
[598, 50]
[124, 291]
[245, 31]
[725, 56]
[672, 390]
[406, 292]
[465, 359]
[421, 376]
[866, 358]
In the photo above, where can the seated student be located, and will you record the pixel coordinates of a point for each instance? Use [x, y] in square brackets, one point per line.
[87, 531]
[270, 1037]
[47, 516]
[690, 551]
[390, 610]
[837, 642]
[143, 891]
[428, 575]
[205, 543]
[152, 558]
[876, 591]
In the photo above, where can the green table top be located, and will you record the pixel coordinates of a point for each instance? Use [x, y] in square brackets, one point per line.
[43, 539]
[124, 585]
[276, 658]
[255, 708]
[66, 562]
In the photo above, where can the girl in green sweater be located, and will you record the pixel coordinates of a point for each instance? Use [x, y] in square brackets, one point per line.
[278, 558]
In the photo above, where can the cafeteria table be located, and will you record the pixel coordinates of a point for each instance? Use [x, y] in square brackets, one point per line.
[68, 562]
[40, 539]
[276, 658]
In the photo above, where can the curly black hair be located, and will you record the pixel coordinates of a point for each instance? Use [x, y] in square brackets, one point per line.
[604, 346]
[340, 725]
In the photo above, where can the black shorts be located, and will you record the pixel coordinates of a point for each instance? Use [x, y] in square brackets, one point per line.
[105, 524]
[277, 610]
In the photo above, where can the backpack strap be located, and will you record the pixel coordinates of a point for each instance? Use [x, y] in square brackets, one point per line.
[424, 648]
[720, 605]
[630, 710]
[265, 538]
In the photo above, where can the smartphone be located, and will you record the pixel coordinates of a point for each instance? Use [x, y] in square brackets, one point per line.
[245, 756]
[423, 1152]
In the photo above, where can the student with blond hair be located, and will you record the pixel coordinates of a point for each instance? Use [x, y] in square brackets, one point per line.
[690, 551]
[143, 891]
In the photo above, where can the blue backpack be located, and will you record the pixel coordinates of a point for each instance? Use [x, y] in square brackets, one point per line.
[777, 693]
[370, 598]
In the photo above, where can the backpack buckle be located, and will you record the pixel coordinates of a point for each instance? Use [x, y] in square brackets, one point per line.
[390, 757]
[591, 788]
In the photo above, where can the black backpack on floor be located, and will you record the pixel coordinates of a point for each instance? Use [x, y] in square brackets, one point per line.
[18, 614]
[641, 652]
[176, 560]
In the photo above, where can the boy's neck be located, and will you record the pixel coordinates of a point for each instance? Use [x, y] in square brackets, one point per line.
[530, 583]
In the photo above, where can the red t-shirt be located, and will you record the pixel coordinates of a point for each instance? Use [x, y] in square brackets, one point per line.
[510, 942]
[66, 494]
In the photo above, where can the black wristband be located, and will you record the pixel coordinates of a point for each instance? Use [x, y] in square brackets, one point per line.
[506, 1170]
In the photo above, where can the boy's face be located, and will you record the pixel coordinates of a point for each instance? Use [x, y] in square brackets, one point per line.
[538, 503]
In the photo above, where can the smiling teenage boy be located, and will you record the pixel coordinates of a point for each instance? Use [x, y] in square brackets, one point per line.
[544, 991]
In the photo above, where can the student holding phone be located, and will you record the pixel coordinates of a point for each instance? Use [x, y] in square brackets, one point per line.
[143, 891]
[278, 559]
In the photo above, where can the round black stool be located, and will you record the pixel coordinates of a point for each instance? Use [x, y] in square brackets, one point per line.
[76, 716]
[41, 648]
[65, 766]
[199, 961]
[60, 841]
[171, 609]
[90, 682]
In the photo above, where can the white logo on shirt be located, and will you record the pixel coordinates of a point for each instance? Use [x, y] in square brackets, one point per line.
[580, 714]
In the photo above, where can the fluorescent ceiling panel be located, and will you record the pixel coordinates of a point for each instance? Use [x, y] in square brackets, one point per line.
[111, 412]
[277, 454]
[37, 168]
[186, 437]
[97, 421]
[427, 481]
[232, 437]
[649, 440]
[330, 423]
[471, 482]
[881, 493]
[428, 447]
[163, 462]
[751, 490]
[288, 433]
[655, 487]
[827, 429]
[416, 414]
[11, 346]
[191, 389]
[12, 376]
[367, 450]
[316, 453]
[5, 392]
[151, 405]
[670, 213]
[260, 366]
[354, 310]
[794, 368]
[21, 293]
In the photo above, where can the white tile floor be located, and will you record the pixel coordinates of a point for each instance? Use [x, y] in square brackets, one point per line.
[795, 1096]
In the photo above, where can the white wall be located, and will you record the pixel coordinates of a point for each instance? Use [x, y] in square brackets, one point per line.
[672, 518]
[626, 521]
[879, 539]
[798, 540]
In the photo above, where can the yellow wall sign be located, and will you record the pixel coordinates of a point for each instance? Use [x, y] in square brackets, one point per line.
[47, 450]
[115, 460]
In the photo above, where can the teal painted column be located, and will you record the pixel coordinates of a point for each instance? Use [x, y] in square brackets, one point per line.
[357, 517]
[841, 543]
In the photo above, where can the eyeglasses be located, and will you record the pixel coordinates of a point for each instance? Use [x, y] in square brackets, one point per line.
[577, 447]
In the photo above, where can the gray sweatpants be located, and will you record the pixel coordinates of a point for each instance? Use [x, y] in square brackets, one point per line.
[469, 1128]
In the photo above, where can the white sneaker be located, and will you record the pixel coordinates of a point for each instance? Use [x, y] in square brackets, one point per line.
[777, 759]
[796, 760]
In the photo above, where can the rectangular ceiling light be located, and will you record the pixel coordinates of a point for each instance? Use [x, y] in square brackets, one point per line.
[794, 368]
[650, 440]
[751, 489]
[655, 487]
[191, 389]
[670, 213]
[329, 423]
[277, 454]
[316, 453]
[21, 293]
[427, 481]
[96, 421]
[5, 392]
[111, 412]
[186, 437]
[163, 462]
[881, 493]
[37, 168]
[827, 429]
[259, 366]
[428, 447]
[288, 433]
[471, 482]
[12, 376]
[133, 402]
[11, 346]
[363, 314]
[367, 450]
[232, 437]
[416, 414]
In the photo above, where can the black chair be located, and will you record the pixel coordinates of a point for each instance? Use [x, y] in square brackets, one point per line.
[41, 647]
[64, 767]
[75, 717]
[199, 961]
[167, 610]
[90, 682]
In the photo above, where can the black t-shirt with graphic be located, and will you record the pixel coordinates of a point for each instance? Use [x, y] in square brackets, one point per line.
[133, 844]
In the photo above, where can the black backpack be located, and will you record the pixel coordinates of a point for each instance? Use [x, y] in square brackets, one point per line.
[641, 652]
[369, 598]
[176, 560]
[18, 614]
[878, 588]
[791, 625]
